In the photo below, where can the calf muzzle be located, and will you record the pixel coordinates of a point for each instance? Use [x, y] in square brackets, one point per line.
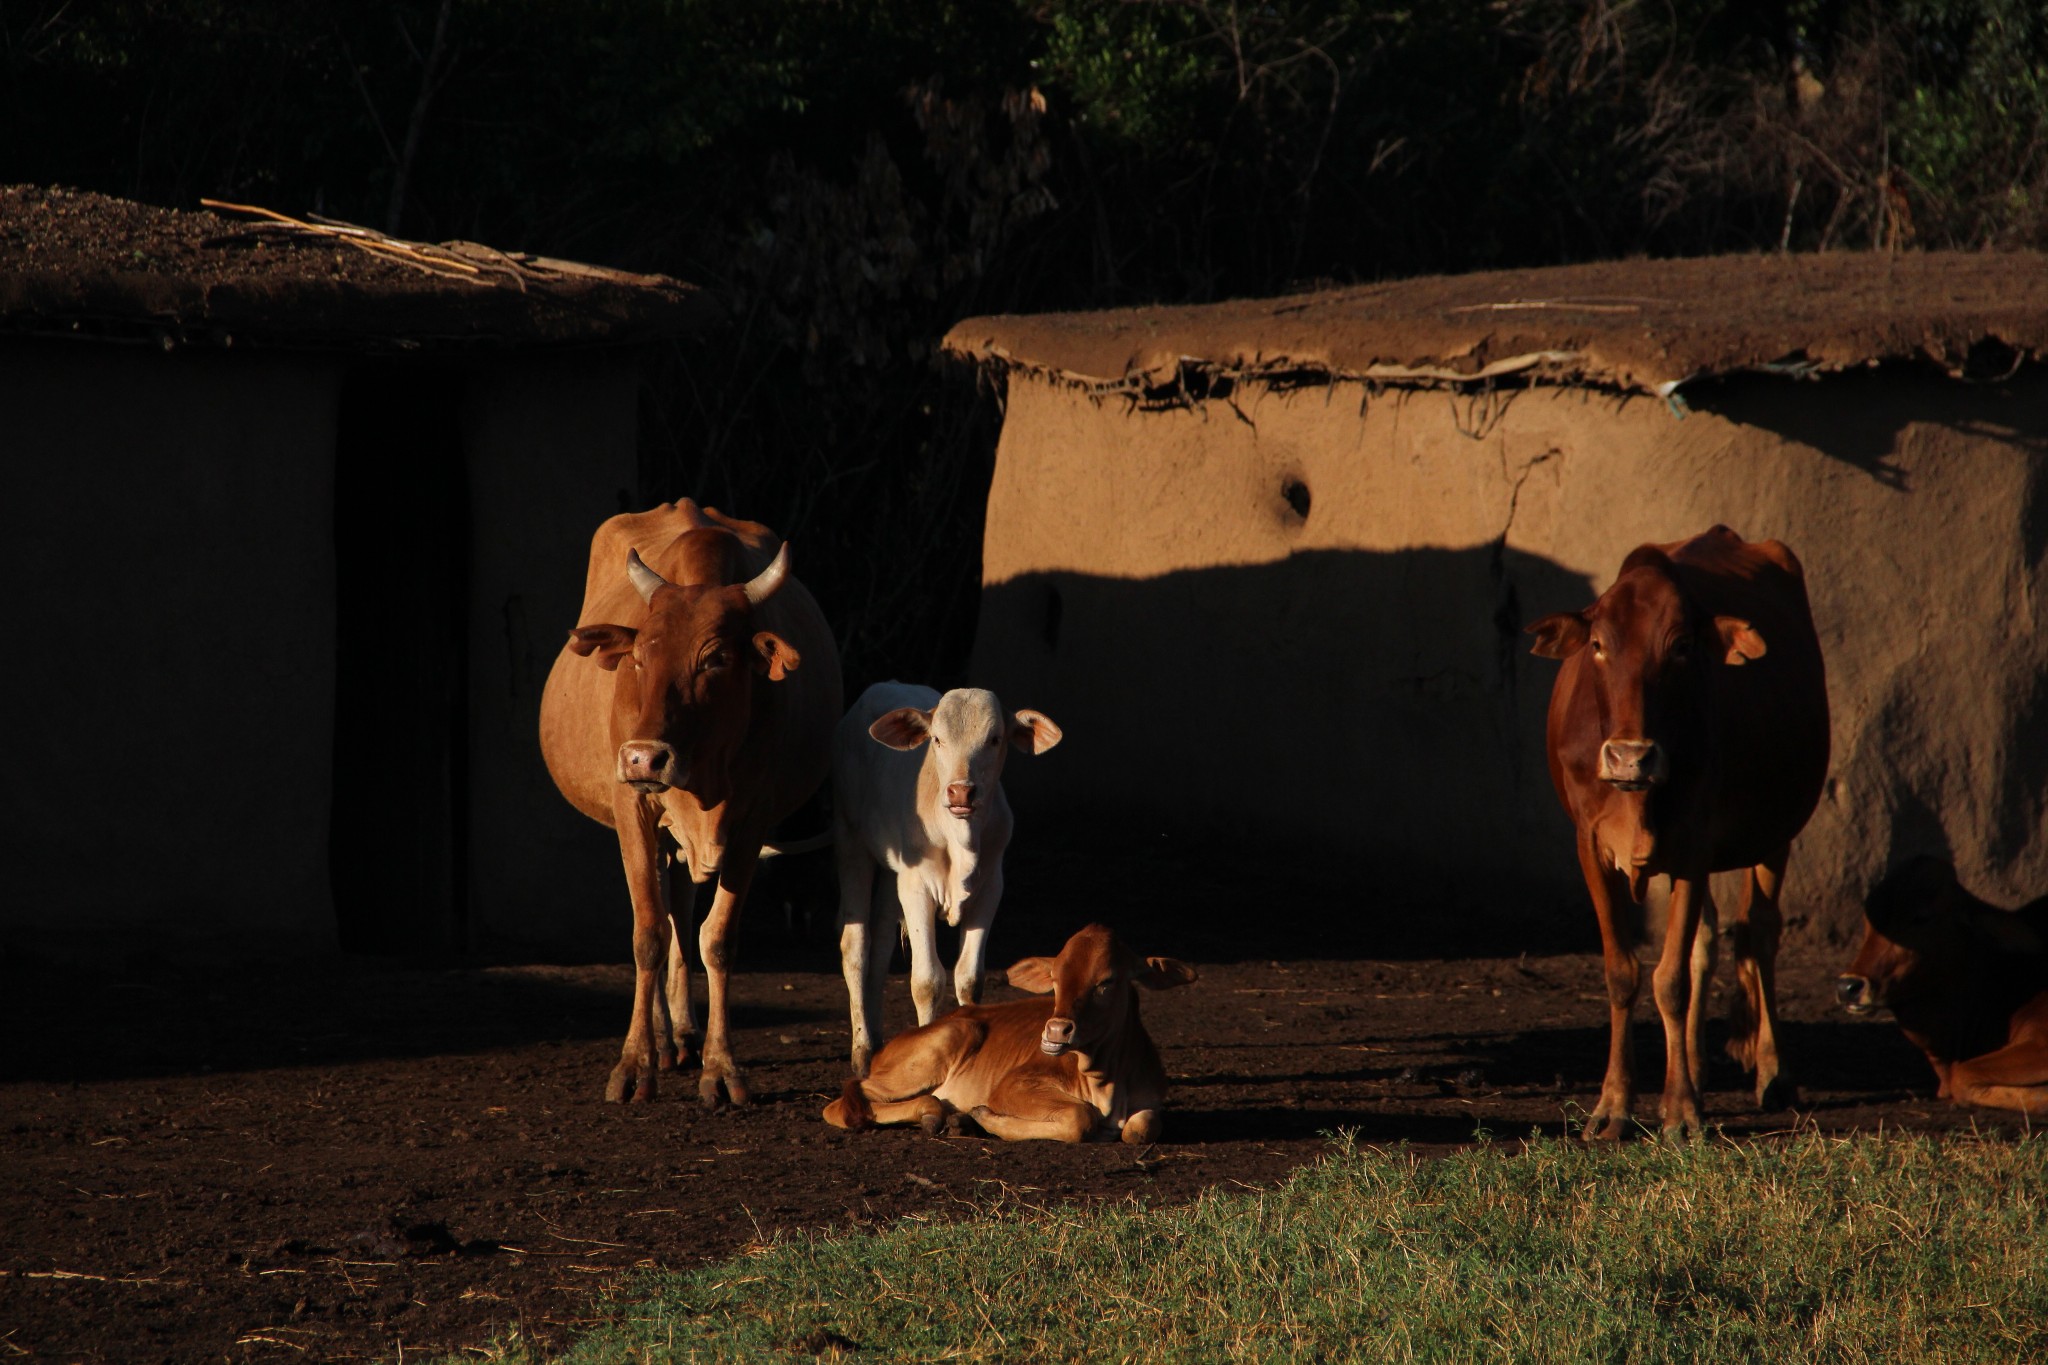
[960, 798]
[648, 766]
[1058, 1036]
[1633, 765]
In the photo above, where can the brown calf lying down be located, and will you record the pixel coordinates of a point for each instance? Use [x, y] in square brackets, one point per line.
[1076, 1066]
[1967, 981]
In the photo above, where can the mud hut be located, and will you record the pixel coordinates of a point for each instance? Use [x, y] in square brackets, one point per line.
[295, 520]
[1268, 562]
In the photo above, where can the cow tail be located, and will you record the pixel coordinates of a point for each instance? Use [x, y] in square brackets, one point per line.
[859, 1116]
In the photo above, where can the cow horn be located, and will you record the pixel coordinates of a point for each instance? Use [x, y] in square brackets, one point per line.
[645, 580]
[763, 585]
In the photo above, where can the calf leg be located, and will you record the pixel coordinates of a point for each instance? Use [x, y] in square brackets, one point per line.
[2014, 1077]
[921, 926]
[1610, 898]
[1023, 1108]
[977, 913]
[1754, 1037]
[1673, 985]
[856, 934]
[899, 1085]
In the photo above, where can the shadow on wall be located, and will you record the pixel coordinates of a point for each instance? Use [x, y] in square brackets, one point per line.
[1368, 721]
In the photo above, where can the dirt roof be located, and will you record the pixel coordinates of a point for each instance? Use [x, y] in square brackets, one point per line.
[80, 264]
[1641, 324]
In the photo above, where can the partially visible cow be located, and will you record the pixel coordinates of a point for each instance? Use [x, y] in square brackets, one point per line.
[937, 819]
[1076, 1066]
[1688, 734]
[678, 715]
[1967, 981]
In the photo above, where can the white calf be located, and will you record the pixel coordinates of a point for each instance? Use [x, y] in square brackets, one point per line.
[939, 821]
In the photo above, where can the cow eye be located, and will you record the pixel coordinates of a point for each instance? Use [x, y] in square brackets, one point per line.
[1104, 987]
[1681, 651]
[993, 741]
[1599, 650]
[711, 663]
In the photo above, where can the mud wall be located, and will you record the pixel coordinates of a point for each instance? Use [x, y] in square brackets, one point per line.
[1289, 622]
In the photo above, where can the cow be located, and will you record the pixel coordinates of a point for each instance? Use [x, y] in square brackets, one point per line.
[1077, 1066]
[1967, 981]
[691, 711]
[938, 820]
[1688, 734]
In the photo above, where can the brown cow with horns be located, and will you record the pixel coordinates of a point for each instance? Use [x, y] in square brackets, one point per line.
[679, 717]
[1688, 734]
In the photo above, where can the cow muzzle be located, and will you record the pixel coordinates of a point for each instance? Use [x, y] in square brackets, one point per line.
[960, 798]
[1058, 1036]
[1632, 765]
[649, 766]
[1854, 994]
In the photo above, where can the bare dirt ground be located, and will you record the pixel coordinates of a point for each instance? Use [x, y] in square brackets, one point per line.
[356, 1159]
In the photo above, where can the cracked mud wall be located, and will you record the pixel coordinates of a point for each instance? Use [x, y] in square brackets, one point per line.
[1289, 622]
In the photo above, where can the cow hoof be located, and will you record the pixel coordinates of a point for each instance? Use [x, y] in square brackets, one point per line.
[1779, 1093]
[1605, 1129]
[716, 1090]
[932, 1118]
[629, 1083]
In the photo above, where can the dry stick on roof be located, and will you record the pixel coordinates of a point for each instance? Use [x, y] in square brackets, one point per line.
[370, 240]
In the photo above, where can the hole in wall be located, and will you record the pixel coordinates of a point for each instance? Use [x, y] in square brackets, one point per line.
[1296, 494]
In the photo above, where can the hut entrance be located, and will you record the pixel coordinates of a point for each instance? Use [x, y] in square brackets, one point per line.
[399, 834]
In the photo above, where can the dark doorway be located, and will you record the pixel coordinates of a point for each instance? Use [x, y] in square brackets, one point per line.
[401, 532]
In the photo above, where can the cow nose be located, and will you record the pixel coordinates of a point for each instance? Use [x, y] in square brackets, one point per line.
[1058, 1036]
[1851, 990]
[960, 795]
[647, 765]
[1632, 764]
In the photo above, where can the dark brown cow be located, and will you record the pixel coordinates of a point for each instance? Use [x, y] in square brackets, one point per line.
[1076, 1066]
[1967, 981]
[679, 717]
[1688, 734]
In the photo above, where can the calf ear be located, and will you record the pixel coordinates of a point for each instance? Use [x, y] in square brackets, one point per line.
[1559, 636]
[776, 658]
[1741, 640]
[609, 643]
[904, 728]
[1164, 973]
[1033, 974]
[1033, 732]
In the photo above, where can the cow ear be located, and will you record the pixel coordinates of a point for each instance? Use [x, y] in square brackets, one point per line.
[1740, 639]
[1033, 732]
[1559, 636]
[904, 728]
[609, 643]
[1164, 973]
[1033, 974]
[775, 656]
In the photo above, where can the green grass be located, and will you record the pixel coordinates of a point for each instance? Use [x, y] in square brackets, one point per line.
[1858, 1249]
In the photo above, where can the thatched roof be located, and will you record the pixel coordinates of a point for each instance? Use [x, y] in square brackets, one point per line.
[1640, 325]
[80, 264]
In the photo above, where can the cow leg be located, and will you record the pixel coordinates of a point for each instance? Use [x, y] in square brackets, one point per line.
[1673, 986]
[2013, 1077]
[634, 1075]
[714, 944]
[1753, 1039]
[1141, 1128]
[921, 926]
[680, 1041]
[1609, 891]
[856, 933]
[1703, 953]
[977, 913]
[1024, 1108]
